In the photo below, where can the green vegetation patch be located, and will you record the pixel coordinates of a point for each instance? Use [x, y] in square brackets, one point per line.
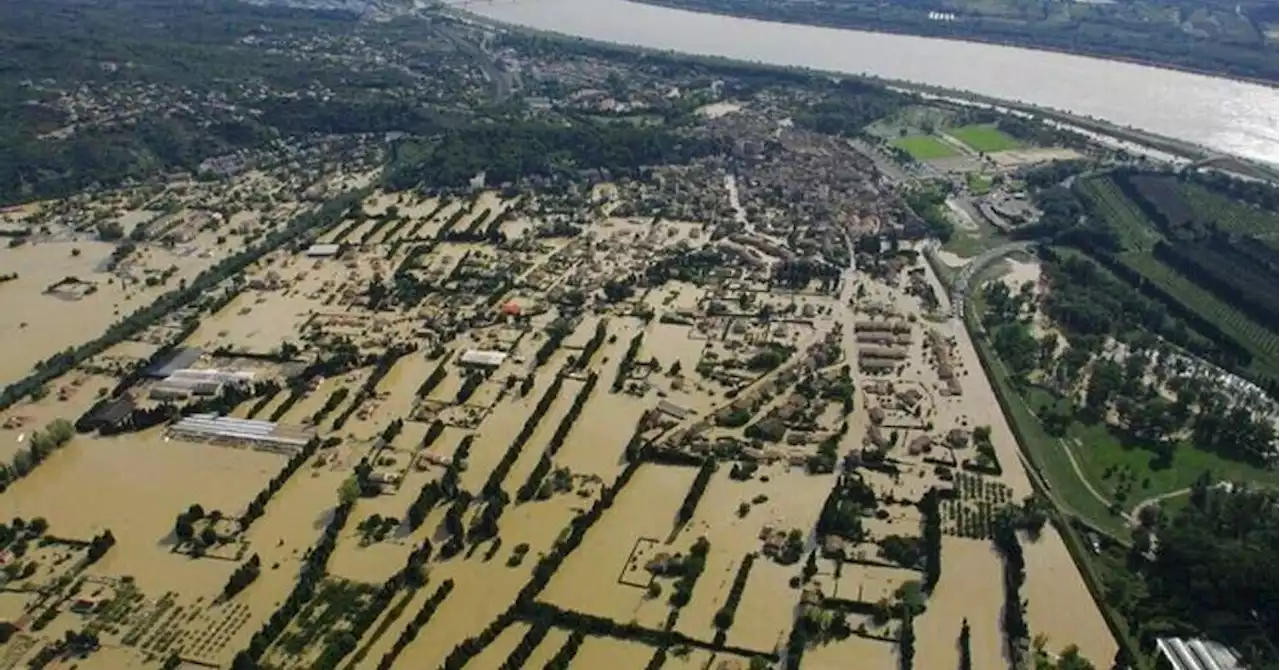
[978, 183]
[1132, 474]
[1260, 342]
[987, 139]
[1045, 452]
[924, 147]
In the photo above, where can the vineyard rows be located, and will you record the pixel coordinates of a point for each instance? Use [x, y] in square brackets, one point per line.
[1106, 197]
[1257, 339]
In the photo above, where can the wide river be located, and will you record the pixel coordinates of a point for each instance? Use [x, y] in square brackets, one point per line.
[1221, 114]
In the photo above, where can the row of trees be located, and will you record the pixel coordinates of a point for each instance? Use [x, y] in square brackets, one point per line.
[688, 570]
[424, 615]
[628, 361]
[564, 655]
[98, 546]
[931, 538]
[532, 484]
[437, 375]
[258, 506]
[524, 649]
[907, 643]
[41, 444]
[243, 576]
[270, 388]
[428, 496]
[696, 489]
[493, 484]
[724, 616]
[370, 386]
[297, 391]
[331, 403]
[556, 332]
[310, 575]
[1014, 615]
[592, 345]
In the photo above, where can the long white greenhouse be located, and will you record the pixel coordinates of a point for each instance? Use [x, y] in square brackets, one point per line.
[266, 435]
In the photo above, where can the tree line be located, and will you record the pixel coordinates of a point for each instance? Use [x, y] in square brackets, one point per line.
[370, 386]
[496, 476]
[725, 615]
[1013, 616]
[696, 489]
[310, 575]
[40, 446]
[628, 361]
[531, 485]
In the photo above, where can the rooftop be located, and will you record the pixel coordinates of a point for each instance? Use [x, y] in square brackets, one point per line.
[179, 360]
[1198, 654]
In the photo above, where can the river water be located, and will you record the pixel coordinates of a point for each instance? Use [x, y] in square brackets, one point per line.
[1224, 115]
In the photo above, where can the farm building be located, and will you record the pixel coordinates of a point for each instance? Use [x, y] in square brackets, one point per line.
[179, 360]
[323, 250]
[110, 413]
[265, 435]
[478, 358]
[197, 382]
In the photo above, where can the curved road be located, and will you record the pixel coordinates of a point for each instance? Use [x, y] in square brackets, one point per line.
[961, 287]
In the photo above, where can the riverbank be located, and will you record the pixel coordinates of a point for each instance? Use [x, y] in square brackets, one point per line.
[1184, 113]
[1180, 149]
[975, 39]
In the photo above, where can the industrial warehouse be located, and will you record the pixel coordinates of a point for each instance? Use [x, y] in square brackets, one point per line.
[262, 435]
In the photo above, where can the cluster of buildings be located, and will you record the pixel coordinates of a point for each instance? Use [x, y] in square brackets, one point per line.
[883, 344]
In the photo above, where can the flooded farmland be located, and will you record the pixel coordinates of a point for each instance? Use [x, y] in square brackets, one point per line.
[453, 433]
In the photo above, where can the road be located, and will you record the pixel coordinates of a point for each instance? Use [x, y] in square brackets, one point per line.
[960, 288]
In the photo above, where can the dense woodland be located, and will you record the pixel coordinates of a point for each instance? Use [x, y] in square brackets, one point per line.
[1212, 574]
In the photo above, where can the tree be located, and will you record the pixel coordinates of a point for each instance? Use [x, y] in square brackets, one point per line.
[349, 491]
[811, 565]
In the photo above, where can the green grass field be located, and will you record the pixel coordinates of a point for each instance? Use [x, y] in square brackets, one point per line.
[979, 184]
[1098, 449]
[987, 139]
[924, 147]
[1046, 453]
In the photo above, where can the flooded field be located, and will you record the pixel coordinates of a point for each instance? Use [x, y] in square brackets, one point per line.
[63, 296]
[135, 486]
[607, 575]
[460, 414]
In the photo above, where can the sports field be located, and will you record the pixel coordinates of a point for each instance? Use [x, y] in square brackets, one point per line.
[924, 147]
[987, 139]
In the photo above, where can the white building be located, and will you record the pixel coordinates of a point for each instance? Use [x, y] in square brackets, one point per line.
[481, 358]
[323, 250]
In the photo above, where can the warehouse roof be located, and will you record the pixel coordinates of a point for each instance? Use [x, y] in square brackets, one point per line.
[180, 359]
[249, 430]
[1198, 654]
